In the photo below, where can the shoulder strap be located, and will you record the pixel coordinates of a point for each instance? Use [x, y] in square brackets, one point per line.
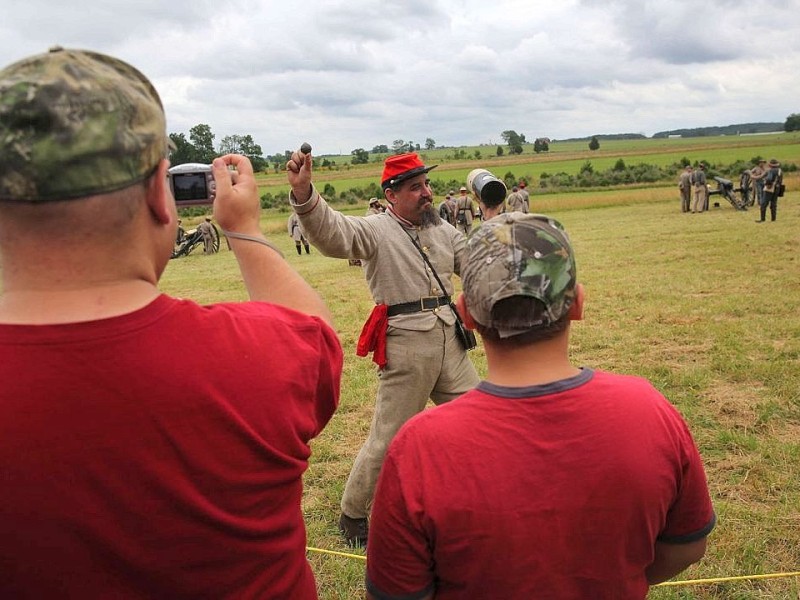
[430, 266]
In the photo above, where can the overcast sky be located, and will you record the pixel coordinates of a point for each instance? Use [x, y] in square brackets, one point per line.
[347, 74]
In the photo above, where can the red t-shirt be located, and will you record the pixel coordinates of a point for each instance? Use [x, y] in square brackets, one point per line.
[159, 454]
[555, 491]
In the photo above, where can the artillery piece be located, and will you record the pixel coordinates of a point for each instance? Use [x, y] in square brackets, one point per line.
[726, 190]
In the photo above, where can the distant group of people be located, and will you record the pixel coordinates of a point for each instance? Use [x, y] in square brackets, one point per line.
[693, 187]
[462, 211]
[132, 468]
[766, 179]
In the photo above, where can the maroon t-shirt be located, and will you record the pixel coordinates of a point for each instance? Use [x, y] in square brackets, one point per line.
[554, 491]
[159, 454]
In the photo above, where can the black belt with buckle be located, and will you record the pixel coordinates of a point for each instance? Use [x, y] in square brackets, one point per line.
[425, 303]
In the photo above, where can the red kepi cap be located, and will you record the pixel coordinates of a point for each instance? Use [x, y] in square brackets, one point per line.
[400, 167]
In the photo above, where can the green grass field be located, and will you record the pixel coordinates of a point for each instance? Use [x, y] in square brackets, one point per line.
[567, 157]
[706, 306]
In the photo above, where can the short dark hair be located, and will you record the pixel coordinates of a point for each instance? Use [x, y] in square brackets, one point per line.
[519, 308]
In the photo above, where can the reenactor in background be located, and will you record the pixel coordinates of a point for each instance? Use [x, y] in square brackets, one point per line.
[516, 201]
[447, 210]
[757, 175]
[209, 235]
[523, 189]
[685, 186]
[374, 207]
[700, 189]
[773, 183]
[465, 211]
[297, 234]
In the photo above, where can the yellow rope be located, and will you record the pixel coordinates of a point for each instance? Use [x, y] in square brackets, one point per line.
[321, 551]
[737, 578]
[666, 583]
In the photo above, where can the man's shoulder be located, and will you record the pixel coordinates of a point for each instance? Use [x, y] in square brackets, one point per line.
[231, 317]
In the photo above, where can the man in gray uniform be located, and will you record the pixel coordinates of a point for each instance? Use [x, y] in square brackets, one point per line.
[516, 201]
[411, 328]
[465, 212]
[685, 187]
[700, 190]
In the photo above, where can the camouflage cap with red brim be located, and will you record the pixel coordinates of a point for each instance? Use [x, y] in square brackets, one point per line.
[75, 123]
[518, 254]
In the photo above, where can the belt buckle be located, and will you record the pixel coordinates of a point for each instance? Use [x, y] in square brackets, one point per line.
[434, 299]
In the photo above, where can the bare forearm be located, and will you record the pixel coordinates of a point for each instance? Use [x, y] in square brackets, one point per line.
[269, 278]
[671, 559]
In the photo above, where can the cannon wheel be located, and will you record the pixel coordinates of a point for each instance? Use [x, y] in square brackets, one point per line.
[215, 245]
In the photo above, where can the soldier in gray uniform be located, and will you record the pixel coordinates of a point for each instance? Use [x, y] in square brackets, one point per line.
[412, 326]
[209, 234]
[685, 187]
[465, 211]
[516, 201]
[700, 190]
[296, 232]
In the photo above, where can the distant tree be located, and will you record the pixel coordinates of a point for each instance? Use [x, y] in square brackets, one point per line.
[360, 156]
[230, 144]
[541, 145]
[792, 122]
[184, 150]
[499, 151]
[594, 144]
[251, 150]
[399, 146]
[382, 149]
[430, 144]
[619, 165]
[203, 142]
[477, 154]
[514, 141]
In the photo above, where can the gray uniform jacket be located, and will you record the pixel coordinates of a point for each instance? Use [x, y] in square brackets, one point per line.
[516, 202]
[394, 268]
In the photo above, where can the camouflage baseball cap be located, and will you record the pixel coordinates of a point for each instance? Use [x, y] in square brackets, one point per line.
[75, 123]
[518, 254]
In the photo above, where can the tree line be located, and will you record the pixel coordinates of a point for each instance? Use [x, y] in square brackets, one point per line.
[199, 147]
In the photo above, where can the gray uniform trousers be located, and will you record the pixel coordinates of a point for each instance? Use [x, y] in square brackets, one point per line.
[406, 383]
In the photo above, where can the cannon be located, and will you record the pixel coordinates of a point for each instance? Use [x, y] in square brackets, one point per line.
[191, 240]
[726, 190]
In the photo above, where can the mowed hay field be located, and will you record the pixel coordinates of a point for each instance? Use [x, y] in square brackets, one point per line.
[706, 306]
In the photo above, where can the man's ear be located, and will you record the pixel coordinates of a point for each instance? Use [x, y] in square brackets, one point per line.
[576, 310]
[461, 306]
[159, 196]
[388, 193]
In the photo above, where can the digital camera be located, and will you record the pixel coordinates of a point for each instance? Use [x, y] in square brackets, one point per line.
[192, 184]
